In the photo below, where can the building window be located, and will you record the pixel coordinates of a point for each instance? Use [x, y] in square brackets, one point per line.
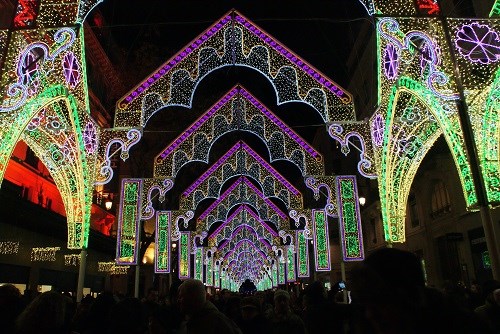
[440, 202]
[412, 207]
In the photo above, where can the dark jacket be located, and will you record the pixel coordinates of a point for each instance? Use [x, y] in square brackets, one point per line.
[209, 320]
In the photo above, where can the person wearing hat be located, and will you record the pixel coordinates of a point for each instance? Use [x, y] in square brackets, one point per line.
[252, 320]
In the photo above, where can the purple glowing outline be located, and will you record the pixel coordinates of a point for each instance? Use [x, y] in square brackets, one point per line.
[270, 41]
[341, 218]
[278, 46]
[188, 257]
[464, 37]
[251, 186]
[120, 219]
[377, 130]
[223, 101]
[227, 155]
[391, 61]
[157, 236]
[307, 274]
[174, 60]
[329, 267]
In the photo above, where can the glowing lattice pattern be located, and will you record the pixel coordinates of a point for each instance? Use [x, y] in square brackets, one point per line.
[198, 264]
[237, 111]
[9, 247]
[234, 40]
[495, 10]
[290, 264]
[209, 274]
[302, 255]
[127, 245]
[162, 242]
[321, 241]
[184, 255]
[242, 191]
[242, 217]
[44, 254]
[240, 160]
[349, 219]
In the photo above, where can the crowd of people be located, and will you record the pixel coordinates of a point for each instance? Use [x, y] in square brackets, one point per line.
[388, 292]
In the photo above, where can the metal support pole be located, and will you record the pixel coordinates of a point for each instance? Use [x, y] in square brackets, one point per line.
[81, 275]
[137, 279]
[342, 274]
[491, 230]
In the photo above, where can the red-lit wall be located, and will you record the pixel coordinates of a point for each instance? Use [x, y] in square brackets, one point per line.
[37, 182]
[39, 188]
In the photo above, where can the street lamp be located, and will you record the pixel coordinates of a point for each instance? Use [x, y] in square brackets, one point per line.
[108, 204]
[362, 201]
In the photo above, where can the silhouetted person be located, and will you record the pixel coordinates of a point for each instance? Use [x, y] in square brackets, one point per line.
[283, 320]
[318, 313]
[201, 316]
[252, 321]
[490, 311]
[46, 314]
[10, 307]
[126, 317]
[390, 289]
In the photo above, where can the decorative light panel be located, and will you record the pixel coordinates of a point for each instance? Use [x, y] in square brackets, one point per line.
[234, 41]
[240, 160]
[282, 272]
[127, 246]
[290, 264]
[198, 264]
[72, 259]
[184, 255]
[9, 247]
[237, 111]
[44, 254]
[162, 241]
[349, 219]
[321, 241]
[302, 254]
[209, 274]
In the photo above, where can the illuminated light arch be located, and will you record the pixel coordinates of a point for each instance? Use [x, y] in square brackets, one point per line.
[226, 43]
[240, 160]
[242, 191]
[242, 216]
[85, 8]
[489, 142]
[228, 115]
[415, 118]
[54, 134]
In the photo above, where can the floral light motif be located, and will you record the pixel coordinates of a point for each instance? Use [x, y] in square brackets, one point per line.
[391, 62]
[71, 69]
[479, 43]
[378, 128]
[90, 137]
